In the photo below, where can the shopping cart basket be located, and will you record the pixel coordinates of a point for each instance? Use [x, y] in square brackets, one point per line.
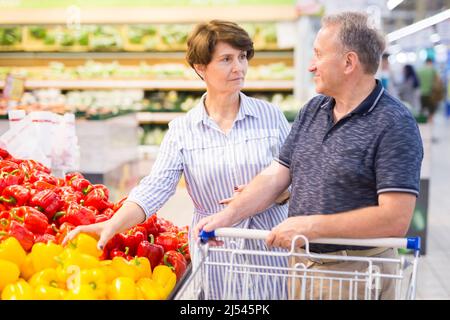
[245, 279]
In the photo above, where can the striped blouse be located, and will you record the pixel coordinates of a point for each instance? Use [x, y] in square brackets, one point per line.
[213, 162]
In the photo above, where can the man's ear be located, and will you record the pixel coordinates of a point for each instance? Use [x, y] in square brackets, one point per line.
[200, 70]
[351, 61]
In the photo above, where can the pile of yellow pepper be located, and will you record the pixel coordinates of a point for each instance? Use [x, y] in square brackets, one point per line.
[75, 272]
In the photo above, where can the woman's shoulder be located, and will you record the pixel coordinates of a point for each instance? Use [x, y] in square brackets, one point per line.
[262, 107]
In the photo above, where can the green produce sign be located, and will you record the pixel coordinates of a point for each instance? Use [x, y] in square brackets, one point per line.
[136, 3]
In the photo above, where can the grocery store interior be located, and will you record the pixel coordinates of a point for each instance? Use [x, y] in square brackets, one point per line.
[114, 72]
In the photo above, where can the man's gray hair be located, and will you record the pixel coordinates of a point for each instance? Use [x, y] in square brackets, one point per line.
[357, 33]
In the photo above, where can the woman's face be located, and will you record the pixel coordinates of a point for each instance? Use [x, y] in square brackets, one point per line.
[227, 69]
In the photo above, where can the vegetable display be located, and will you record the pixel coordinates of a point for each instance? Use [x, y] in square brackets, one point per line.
[37, 210]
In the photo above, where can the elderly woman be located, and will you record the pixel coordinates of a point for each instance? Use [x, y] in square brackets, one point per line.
[219, 146]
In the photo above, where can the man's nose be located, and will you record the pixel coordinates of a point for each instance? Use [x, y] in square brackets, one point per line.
[312, 66]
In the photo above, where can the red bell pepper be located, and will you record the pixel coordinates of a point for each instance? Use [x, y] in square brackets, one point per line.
[151, 225]
[7, 165]
[153, 252]
[5, 220]
[69, 177]
[81, 184]
[168, 240]
[25, 236]
[183, 243]
[4, 154]
[47, 201]
[33, 219]
[43, 185]
[33, 166]
[10, 178]
[131, 239]
[43, 176]
[15, 195]
[114, 243]
[52, 229]
[103, 188]
[116, 252]
[46, 237]
[63, 230]
[98, 199]
[176, 262]
[166, 226]
[77, 215]
[119, 204]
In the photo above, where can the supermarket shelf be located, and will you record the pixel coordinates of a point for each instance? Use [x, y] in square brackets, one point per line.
[157, 117]
[119, 55]
[188, 85]
[172, 14]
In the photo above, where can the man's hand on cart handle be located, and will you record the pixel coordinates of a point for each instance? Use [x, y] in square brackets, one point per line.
[283, 234]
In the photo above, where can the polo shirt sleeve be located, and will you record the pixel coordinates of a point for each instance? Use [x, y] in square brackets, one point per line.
[399, 158]
[287, 147]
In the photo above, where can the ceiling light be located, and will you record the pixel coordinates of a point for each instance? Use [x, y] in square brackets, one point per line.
[435, 38]
[415, 27]
[391, 4]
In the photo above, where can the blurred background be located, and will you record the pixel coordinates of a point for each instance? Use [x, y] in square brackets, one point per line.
[118, 67]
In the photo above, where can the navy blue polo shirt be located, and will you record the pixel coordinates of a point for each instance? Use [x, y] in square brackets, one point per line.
[337, 167]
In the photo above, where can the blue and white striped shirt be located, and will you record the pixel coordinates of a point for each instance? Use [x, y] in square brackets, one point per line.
[214, 163]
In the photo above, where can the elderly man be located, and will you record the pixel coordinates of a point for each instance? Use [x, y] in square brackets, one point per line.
[352, 158]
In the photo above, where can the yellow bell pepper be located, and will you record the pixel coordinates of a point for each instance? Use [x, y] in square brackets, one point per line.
[86, 244]
[135, 269]
[11, 250]
[70, 257]
[96, 279]
[143, 266]
[47, 277]
[82, 292]
[150, 289]
[43, 292]
[9, 273]
[122, 288]
[166, 278]
[43, 255]
[27, 269]
[108, 270]
[20, 290]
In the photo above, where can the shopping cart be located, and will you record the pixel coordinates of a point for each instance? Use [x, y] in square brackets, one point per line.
[244, 279]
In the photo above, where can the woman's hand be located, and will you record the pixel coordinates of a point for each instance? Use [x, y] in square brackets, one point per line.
[101, 230]
[212, 222]
[237, 190]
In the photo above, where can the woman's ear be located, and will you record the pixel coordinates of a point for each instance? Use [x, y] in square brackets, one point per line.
[200, 70]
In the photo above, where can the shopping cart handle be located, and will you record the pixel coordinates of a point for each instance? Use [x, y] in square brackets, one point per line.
[206, 235]
[413, 243]
[407, 243]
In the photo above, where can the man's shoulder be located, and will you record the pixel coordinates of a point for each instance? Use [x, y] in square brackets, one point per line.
[392, 109]
[317, 101]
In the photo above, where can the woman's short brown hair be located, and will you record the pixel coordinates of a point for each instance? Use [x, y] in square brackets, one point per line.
[205, 36]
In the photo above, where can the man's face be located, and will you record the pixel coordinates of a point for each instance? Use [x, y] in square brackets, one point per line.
[328, 61]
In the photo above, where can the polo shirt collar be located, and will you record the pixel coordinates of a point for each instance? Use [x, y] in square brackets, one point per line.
[368, 103]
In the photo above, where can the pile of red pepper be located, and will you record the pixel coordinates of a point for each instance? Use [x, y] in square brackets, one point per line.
[36, 206]
[157, 239]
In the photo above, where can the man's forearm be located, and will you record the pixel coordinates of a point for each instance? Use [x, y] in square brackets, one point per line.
[369, 222]
[260, 193]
